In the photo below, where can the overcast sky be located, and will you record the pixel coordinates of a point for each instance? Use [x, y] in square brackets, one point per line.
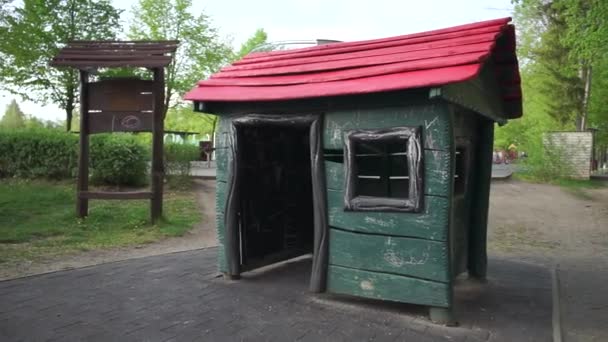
[345, 20]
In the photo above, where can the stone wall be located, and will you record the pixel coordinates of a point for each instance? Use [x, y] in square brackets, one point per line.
[575, 149]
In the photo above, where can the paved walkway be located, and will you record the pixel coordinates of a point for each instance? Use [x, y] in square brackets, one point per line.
[178, 297]
[584, 302]
[502, 171]
[203, 169]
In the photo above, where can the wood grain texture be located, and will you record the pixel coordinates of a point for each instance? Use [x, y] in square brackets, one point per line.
[82, 183]
[387, 55]
[223, 125]
[482, 95]
[158, 133]
[115, 195]
[366, 45]
[120, 122]
[410, 257]
[431, 224]
[478, 257]
[437, 168]
[221, 159]
[386, 286]
[222, 145]
[334, 71]
[220, 205]
[433, 117]
[459, 234]
[410, 137]
[121, 95]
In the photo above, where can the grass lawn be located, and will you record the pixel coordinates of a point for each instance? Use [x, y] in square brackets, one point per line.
[37, 220]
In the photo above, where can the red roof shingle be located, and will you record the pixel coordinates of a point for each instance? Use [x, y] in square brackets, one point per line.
[417, 60]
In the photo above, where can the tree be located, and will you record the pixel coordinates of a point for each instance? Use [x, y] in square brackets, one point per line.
[13, 116]
[561, 43]
[587, 37]
[258, 39]
[183, 118]
[201, 52]
[567, 40]
[542, 48]
[33, 32]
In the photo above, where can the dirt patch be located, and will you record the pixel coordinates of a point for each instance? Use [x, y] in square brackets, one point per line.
[527, 221]
[201, 236]
[547, 221]
[565, 229]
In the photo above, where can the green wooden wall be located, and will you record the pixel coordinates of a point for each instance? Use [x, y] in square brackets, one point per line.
[384, 255]
[222, 154]
[394, 256]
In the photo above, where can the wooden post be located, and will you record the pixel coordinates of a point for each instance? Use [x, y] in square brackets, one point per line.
[478, 257]
[156, 204]
[443, 316]
[82, 185]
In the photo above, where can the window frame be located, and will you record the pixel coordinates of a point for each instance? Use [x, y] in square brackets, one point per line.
[415, 159]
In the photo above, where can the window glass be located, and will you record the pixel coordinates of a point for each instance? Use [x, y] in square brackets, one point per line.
[383, 169]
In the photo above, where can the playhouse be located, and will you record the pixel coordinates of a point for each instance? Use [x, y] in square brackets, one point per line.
[375, 156]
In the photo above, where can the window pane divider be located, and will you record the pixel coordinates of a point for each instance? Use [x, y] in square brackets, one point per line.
[377, 154]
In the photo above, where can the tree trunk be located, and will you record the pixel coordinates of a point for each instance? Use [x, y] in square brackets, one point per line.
[213, 125]
[586, 77]
[167, 99]
[69, 108]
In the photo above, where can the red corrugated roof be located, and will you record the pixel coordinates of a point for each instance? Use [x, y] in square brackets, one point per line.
[417, 60]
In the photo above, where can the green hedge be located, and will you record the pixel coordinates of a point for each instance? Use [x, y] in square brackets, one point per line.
[178, 158]
[117, 159]
[177, 164]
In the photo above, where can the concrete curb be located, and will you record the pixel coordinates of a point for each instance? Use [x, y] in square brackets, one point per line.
[557, 317]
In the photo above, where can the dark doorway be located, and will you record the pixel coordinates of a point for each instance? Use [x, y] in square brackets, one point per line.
[276, 217]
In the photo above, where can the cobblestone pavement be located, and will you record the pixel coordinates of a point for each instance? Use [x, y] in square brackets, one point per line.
[178, 297]
[584, 302]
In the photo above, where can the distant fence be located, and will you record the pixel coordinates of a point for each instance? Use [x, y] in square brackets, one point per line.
[574, 150]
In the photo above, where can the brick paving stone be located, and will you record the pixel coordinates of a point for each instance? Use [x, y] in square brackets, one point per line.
[178, 297]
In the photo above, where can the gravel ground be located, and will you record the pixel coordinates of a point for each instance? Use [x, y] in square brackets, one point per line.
[568, 230]
[532, 223]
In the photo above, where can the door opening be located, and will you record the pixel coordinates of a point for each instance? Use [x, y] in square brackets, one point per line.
[276, 217]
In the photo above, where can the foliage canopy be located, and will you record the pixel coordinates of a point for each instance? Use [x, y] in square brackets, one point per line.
[46, 26]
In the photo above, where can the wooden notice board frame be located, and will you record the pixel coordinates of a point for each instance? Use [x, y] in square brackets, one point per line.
[120, 105]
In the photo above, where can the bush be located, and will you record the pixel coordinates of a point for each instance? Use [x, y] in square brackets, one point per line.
[177, 163]
[38, 153]
[116, 159]
[545, 163]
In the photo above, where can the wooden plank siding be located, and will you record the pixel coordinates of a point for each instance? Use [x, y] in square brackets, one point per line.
[432, 117]
[405, 256]
[220, 205]
[436, 182]
[395, 256]
[387, 286]
[430, 224]
[222, 145]
[221, 160]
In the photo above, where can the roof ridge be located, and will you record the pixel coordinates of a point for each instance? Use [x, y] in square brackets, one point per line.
[357, 72]
[431, 58]
[322, 66]
[477, 25]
